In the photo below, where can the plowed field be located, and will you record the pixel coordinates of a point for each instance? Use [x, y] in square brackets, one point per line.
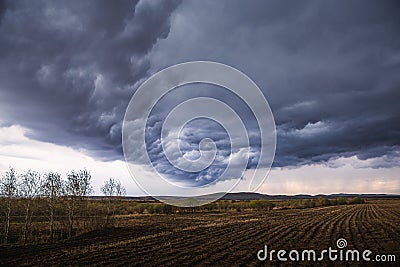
[224, 239]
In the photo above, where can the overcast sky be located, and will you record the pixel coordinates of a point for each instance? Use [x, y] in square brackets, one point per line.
[329, 70]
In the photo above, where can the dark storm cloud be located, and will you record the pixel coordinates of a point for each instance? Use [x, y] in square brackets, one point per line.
[190, 138]
[68, 68]
[196, 130]
[2, 9]
[329, 69]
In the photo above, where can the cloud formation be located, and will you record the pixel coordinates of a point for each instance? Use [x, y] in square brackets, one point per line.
[328, 69]
[69, 68]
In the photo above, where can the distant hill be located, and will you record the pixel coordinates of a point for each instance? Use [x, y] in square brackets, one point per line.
[258, 196]
[255, 196]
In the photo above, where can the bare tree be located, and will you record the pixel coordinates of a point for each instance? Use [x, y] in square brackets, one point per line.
[52, 188]
[8, 190]
[72, 188]
[112, 188]
[120, 190]
[29, 188]
[78, 186]
[108, 190]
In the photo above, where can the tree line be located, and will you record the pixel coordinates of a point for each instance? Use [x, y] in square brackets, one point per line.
[55, 201]
[130, 207]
